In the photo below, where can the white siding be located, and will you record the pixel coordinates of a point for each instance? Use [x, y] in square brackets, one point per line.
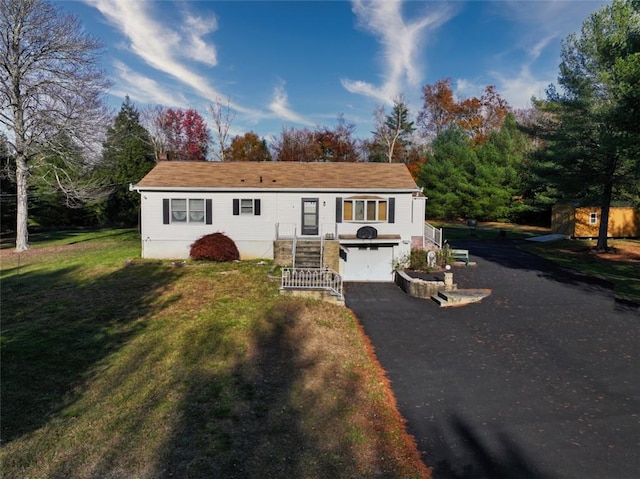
[254, 234]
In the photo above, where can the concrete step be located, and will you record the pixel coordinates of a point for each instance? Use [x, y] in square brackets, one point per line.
[304, 263]
[308, 255]
[439, 300]
[460, 297]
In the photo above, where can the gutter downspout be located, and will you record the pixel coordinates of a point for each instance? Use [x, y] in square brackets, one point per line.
[132, 187]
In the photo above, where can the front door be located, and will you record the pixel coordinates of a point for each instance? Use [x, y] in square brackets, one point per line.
[310, 216]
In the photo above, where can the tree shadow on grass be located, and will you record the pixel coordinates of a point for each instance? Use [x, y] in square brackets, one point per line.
[246, 413]
[57, 327]
[269, 416]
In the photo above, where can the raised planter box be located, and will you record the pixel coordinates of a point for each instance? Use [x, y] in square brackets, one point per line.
[420, 288]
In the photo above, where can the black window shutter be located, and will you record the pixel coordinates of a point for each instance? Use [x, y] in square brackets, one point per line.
[256, 207]
[208, 215]
[392, 210]
[165, 211]
[338, 210]
[236, 207]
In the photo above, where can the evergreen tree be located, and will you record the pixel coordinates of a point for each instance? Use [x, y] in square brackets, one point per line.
[128, 156]
[63, 191]
[481, 182]
[591, 151]
[393, 131]
[446, 176]
[502, 157]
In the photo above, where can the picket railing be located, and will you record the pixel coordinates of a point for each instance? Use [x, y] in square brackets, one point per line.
[312, 278]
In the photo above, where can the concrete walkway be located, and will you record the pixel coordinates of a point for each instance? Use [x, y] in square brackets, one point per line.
[539, 380]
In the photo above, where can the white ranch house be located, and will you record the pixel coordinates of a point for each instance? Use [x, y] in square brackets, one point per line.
[362, 217]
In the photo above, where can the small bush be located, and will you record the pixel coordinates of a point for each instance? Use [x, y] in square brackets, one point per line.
[214, 247]
[418, 259]
[445, 255]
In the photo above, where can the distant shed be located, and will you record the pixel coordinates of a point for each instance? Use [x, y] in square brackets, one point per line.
[584, 221]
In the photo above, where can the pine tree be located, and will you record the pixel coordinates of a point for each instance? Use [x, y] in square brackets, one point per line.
[128, 156]
[592, 142]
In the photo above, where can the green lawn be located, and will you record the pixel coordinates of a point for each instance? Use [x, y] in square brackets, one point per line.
[457, 230]
[117, 367]
[621, 268]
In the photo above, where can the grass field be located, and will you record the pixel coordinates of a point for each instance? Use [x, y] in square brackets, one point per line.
[620, 266]
[456, 230]
[117, 367]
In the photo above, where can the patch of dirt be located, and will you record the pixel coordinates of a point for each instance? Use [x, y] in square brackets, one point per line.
[44, 251]
[508, 226]
[625, 251]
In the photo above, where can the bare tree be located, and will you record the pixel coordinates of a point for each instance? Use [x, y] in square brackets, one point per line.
[152, 119]
[223, 115]
[51, 86]
[391, 129]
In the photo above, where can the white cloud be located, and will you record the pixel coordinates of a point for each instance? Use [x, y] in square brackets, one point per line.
[552, 17]
[366, 89]
[540, 26]
[194, 29]
[465, 88]
[280, 107]
[401, 43]
[519, 89]
[143, 89]
[162, 47]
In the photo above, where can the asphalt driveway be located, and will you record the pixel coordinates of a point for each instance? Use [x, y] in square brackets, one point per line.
[539, 380]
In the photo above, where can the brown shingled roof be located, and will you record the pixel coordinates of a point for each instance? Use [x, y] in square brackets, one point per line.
[276, 175]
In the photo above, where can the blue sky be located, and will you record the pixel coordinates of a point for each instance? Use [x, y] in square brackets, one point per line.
[304, 63]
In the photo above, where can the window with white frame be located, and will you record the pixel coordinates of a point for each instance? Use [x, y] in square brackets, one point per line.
[196, 211]
[593, 218]
[369, 209]
[178, 210]
[246, 206]
[187, 210]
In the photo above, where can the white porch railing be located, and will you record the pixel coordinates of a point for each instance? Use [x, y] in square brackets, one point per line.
[432, 234]
[289, 230]
[312, 278]
[285, 230]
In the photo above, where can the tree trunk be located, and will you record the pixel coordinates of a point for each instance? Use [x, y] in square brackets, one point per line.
[603, 231]
[22, 233]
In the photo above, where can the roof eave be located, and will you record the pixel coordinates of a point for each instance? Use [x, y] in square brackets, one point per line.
[188, 189]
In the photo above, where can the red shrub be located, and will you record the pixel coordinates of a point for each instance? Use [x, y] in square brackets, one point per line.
[214, 247]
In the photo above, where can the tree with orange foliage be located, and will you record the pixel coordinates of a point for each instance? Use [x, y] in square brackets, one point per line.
[337, 144]
[494, 111]
[469, 117]
[248, 147]
[477, 117]
[415, 157]
[323, 144]
[296, 145]
[439, 108]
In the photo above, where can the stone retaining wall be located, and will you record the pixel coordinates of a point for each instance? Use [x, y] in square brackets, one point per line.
[419, 288]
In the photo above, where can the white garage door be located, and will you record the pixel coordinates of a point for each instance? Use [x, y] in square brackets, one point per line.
[370, 264]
